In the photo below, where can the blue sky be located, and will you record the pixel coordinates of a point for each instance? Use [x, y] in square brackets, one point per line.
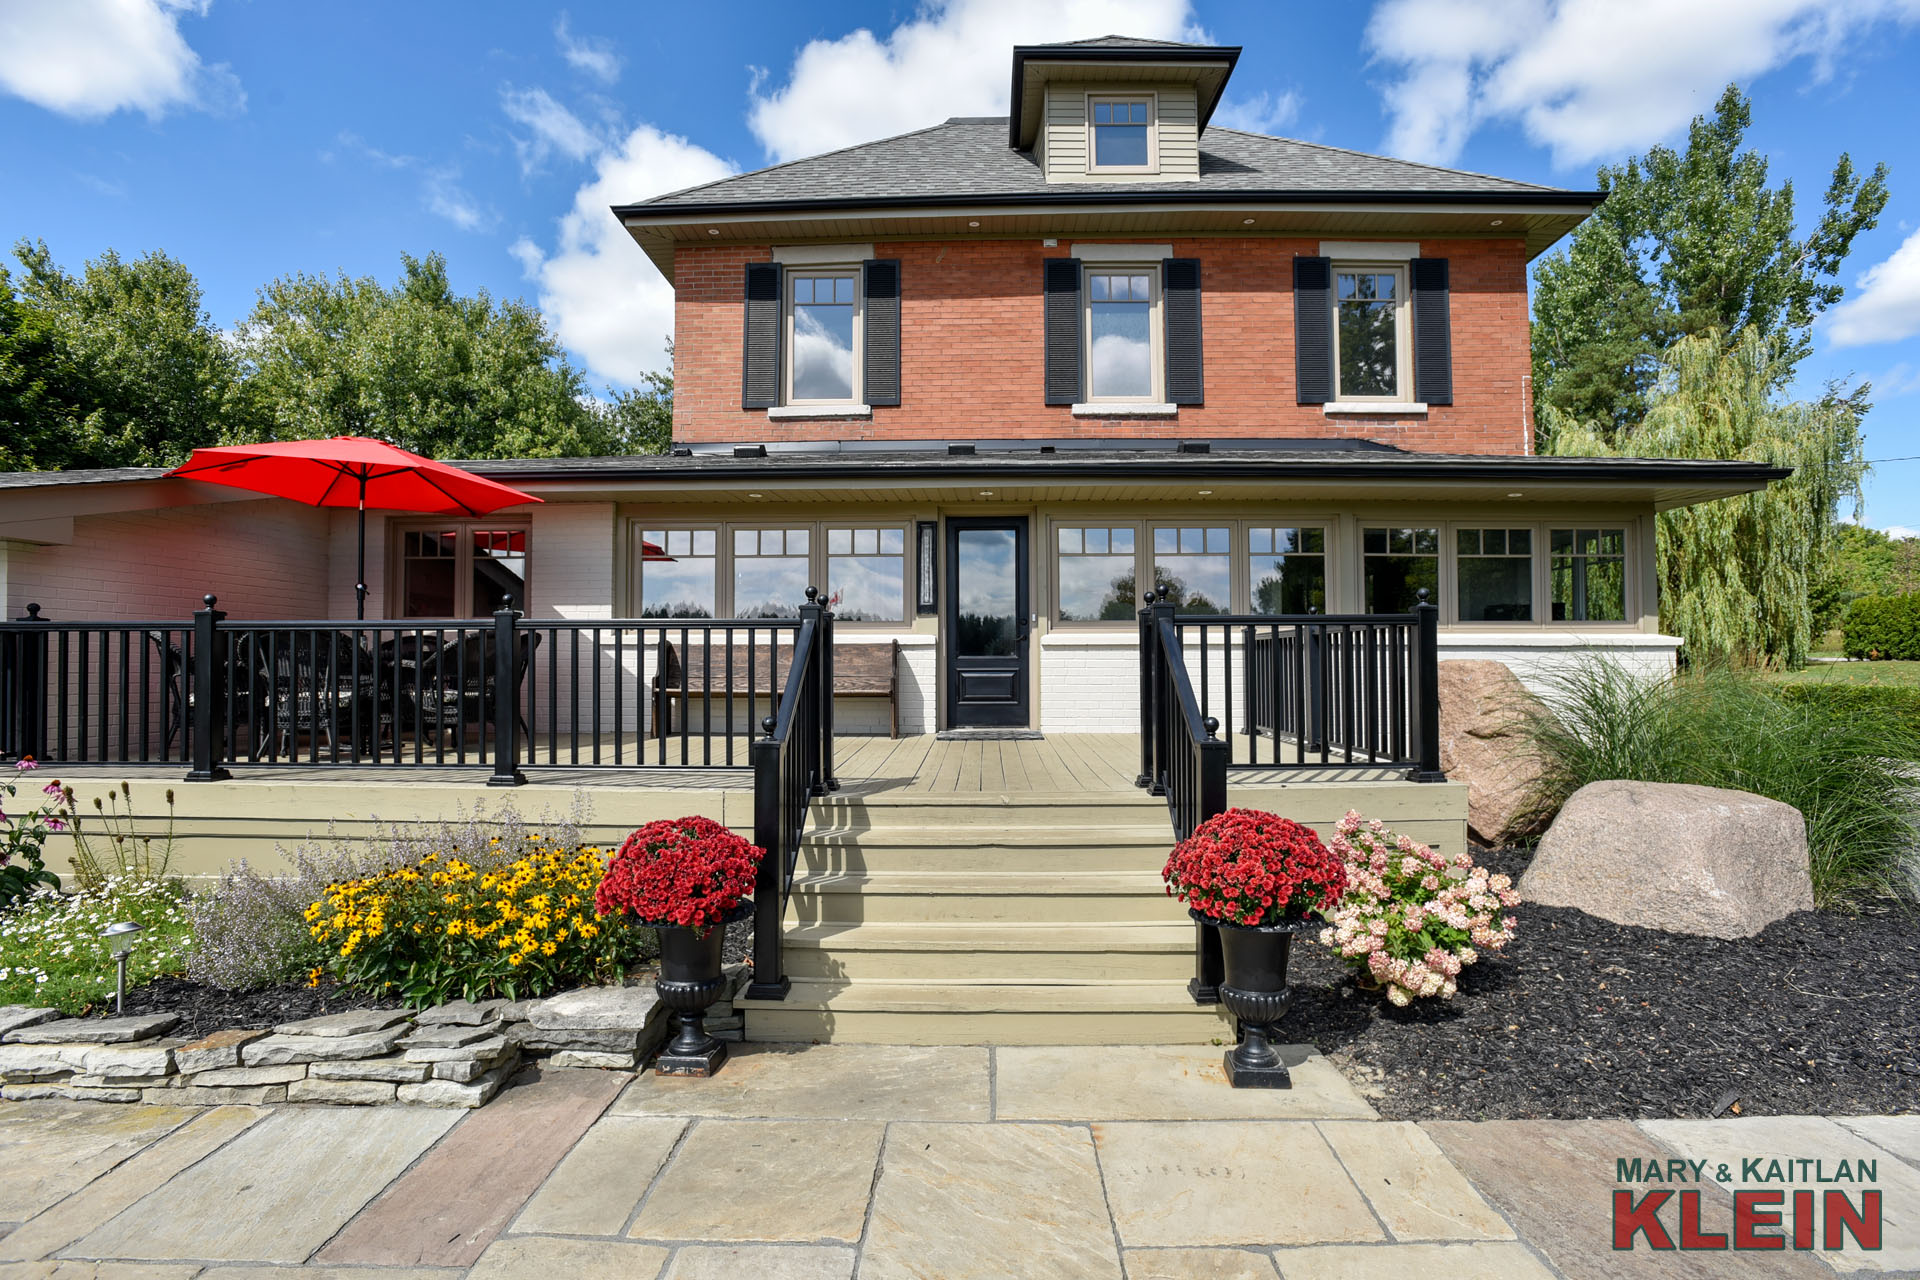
[253, 139]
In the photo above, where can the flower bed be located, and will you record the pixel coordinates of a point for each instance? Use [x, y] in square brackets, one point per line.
[52, 954]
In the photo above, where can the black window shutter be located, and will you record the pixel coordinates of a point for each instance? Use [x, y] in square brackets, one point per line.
[1432, 333]
[880, 344]
[1180, 312]
[1061, 283]
[760, 358]
[1313, 330]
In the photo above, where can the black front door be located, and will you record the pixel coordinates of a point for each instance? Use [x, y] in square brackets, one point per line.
[986, 624]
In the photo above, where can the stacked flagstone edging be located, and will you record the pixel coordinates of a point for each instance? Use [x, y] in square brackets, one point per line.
[453, 1055]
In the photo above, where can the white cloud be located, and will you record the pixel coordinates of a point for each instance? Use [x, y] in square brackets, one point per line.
[591, 54]
[554, 128]
[608, 303]
[1591, 78]
[949, 60]
[91, 58]
[1901, 380]
[440, 191]
[1900, 531]
[1262, 113]
[1885, 306]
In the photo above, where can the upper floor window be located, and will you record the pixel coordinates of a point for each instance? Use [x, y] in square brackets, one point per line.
[1371, 347]
[822, 337]
[1122, 319]
[1121, 135]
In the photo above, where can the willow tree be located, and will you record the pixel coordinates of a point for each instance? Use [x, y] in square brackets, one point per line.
[1735, 574]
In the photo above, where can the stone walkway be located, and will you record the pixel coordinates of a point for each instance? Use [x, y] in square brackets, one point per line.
[840, 1161]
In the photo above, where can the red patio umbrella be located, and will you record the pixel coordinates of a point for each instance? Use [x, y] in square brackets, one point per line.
[350, 471]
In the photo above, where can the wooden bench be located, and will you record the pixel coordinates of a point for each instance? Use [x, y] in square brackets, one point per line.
[868, 670]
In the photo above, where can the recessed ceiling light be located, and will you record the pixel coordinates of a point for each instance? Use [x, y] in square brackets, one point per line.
[1494, 223]
[974, 223]
[713, 231]
[1206, 493]
[1513, 495]
[754, 495]
[1246, 222]
[986, 493]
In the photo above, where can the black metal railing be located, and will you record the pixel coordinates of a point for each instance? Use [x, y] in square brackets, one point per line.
[1316, 691]
[792, 763]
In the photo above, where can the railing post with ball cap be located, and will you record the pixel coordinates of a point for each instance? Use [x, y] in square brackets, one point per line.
[23, 689]
[205, 697]
[506, 698]
[1424, 703]
[769, 891]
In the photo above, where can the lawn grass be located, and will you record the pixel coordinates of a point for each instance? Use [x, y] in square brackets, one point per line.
[1904, 675]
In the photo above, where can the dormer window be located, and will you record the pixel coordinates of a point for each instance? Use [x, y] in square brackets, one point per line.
[1121, 135]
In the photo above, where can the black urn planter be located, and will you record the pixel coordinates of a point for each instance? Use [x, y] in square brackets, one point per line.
[689, 982]
[1255, 990]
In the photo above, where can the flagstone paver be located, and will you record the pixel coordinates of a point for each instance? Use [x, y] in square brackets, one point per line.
[827, 1081]
[276, 1192]
[557, 1258]
[1898, 1134]
[1237, 1183]
[57, 1270]
[762, 1262]
[1402, 1261]
[1554, 1181]
[1160, 1082]
[93, 1204]
[334, 1273]
[1784, 1138]
[1199, 1264]
[1417, 1192]
[982, 1202]
[597, 1186]
[449, 1207]
[51, 1149]
[741, 1180]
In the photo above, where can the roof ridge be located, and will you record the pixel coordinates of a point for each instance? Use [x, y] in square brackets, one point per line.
[821, 155]
[1375, 155]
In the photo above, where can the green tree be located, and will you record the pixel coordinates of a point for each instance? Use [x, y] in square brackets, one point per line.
[417, 365]
[116, 366]
[1687, 242]
[639, 420]
[1736, 575]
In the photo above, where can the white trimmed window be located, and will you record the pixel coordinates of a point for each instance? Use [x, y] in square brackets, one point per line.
[1193, 567]
[1372, 338]
[1095, 573]
[462, 568]
[867, 573]
[1493, 574]
[1286, 568]
[1120, 134]
[1396, 565]
[1123, 334]
[679, 573]
[823, 337]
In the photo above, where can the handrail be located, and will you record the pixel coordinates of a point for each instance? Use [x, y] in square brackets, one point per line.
[792, 764]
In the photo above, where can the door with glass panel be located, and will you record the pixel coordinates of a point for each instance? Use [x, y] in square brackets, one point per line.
[986, 621]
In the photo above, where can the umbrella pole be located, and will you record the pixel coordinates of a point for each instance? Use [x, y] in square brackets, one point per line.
[360, 566]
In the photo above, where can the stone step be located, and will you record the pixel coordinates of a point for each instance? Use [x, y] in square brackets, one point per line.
[1007, 952]
[1081, 848]
[882, 1012]
[1035, 896]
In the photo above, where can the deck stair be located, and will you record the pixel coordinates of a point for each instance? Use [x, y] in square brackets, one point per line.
[974, 918]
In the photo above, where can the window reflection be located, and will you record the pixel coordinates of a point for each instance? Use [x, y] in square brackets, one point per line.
[986, 576]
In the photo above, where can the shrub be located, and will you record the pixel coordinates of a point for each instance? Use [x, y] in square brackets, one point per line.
[1413, 918]
[1845, 762]
[441, 927]
[23, 838]
[52, 954]
[1247, 867]
[251, 930]
[679, 871]
[1883, 627]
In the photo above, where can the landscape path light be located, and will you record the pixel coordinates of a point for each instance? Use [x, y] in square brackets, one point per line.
[120, 937]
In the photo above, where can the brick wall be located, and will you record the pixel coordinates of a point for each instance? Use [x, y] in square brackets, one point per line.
[971, 350]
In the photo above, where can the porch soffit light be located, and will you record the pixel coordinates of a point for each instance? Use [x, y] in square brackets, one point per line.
[1496, 222]
[974, 223]
[1246, 222]
[1515, 495]
[1206, 493]
[714, 231]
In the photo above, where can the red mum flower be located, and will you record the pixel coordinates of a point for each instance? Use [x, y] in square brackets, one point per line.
[1253, 868]
[682, 871]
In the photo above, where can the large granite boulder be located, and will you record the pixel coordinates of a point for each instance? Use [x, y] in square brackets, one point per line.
[1671, 856]
[1483, 708]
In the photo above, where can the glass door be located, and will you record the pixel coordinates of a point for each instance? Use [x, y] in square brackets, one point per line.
[987, 631]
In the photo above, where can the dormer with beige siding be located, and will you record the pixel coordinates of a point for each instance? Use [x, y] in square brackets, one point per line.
[1116, 110]
[1076, 113]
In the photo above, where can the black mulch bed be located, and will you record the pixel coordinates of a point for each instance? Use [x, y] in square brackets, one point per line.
[1819, 1014]
[204, 1010]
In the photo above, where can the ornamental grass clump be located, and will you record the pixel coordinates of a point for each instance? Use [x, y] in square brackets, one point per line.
[1413, 918]
[690, 872]
[1251, 868]
[440, 926]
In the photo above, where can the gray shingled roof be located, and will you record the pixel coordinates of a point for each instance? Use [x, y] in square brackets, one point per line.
[968, 158]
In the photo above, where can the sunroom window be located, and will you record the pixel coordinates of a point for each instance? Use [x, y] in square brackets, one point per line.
[1193, 568]
[1094, 574]
[1287, 569]
[462, 569]
[866, 574]
[770, 572]
[679, 573]
[1588, 572]
[1495, 572]
[1397, 565]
